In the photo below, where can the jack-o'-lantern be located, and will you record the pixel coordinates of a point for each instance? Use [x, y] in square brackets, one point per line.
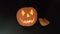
[26, 16]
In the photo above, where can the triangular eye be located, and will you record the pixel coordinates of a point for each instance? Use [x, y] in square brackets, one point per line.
[23, 12]
[31, 12]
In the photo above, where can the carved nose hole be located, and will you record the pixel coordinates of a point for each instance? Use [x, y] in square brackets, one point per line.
[28, 15]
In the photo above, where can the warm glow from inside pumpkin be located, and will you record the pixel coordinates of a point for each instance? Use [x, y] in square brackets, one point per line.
[23, 12]
[27, 16]
[27, 21]
[31, 12]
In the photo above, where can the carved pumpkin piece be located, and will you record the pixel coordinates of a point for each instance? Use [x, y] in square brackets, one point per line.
[44, 22]
[26, 16]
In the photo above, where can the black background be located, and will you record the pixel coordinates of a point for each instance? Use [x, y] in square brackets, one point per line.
[45, 8]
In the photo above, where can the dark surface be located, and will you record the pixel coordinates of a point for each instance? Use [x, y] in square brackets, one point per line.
[45, 9]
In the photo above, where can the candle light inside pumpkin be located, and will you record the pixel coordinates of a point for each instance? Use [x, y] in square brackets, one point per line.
[26, 16]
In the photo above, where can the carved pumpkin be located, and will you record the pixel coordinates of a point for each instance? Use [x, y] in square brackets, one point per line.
[26, 16]
[44, 22]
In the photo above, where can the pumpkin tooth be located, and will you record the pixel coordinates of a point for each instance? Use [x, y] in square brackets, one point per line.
[28, 21]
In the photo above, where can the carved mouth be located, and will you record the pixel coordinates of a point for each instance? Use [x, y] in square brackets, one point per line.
[27, 21]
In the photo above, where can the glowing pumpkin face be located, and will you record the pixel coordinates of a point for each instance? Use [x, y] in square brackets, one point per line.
[26, 16]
